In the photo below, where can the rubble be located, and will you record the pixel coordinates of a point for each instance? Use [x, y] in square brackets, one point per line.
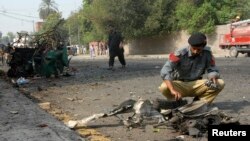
[45, 105]
[187, 118]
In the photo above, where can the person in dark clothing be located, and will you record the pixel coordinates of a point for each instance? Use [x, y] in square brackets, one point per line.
[115, 43]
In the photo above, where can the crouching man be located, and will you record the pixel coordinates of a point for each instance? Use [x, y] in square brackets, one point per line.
[182, 73]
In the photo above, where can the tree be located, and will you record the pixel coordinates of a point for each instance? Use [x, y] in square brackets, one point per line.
[81, 27]
[145, 18]
[135, 19]
[46, 8]
[161, 19]
[75, 27]
[55, 28]
[203, 19]
[195, 16]
[5, 40]
[127, 16]
[11, 36]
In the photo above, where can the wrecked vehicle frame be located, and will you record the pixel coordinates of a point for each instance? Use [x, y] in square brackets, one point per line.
[44, 55]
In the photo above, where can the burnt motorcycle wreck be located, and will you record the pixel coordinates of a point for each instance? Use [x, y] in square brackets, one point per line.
[187, 118]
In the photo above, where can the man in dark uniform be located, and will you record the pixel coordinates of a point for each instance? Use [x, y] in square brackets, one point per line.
[115, 48]
[182, 73]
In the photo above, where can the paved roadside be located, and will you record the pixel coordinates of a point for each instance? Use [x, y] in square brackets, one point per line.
[23, 120]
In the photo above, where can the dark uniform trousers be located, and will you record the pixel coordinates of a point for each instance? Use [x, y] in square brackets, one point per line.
[113, 54]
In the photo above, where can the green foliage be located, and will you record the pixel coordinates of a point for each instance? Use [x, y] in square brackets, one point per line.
[138, 10]
[243, 9]
[226, 10]
[11, 36]
[160, 19]
[203, 19]
[8, 38]
[51, 21]
[72, 25]
[193, 18]
[133, 18]
[46, 8]
[52, 26]
[5, 40]
[184, 11]
[142, 18]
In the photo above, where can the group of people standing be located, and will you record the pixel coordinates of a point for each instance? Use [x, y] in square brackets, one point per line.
[96, 49]
[5, 53]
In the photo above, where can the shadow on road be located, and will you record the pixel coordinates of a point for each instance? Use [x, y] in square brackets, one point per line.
[234, 106]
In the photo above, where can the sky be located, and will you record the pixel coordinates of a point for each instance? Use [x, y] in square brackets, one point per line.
[18, 15]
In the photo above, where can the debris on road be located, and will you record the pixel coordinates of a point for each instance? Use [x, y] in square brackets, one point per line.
[45, 105]
[14, 112]
[191, 119]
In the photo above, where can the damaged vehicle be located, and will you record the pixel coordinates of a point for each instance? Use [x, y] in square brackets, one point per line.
[43, 54]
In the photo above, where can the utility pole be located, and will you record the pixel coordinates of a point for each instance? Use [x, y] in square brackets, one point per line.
[69, 36]
[78, 35]
[33, 26]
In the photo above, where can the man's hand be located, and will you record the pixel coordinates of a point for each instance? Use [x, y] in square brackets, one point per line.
[121, 45]
[215, 81]
[176, 94]
[212, 83]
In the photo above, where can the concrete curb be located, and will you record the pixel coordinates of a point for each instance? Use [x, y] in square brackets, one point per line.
[21, 119]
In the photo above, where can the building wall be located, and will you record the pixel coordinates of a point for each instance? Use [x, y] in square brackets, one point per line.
[38, 26]
[167, 44]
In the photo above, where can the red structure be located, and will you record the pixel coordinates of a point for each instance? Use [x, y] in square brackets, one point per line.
[238, 40]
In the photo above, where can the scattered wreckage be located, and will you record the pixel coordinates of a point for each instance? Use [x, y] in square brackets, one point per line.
[188, 118]
[45, 54]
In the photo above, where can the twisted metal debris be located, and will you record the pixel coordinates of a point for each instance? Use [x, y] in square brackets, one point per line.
[192, 119]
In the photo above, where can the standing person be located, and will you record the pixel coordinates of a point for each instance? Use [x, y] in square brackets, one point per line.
[8, 53]
[84, 50]
[106, 49]
[102, 49]
[115, 48]
[182, 73]
[92, 51]
[2, 48]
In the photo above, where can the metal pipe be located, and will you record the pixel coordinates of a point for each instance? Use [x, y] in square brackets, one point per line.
[241, 22]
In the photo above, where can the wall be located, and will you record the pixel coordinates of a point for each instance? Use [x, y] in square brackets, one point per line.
[167, 44]
[213, 40]
[38, 26]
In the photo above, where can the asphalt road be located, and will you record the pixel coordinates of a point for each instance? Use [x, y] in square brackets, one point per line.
[94, 89]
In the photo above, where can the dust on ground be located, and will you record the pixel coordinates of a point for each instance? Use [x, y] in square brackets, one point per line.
[94, 89]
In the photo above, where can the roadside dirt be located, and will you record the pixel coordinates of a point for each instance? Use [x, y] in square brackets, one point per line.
[94, 89]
